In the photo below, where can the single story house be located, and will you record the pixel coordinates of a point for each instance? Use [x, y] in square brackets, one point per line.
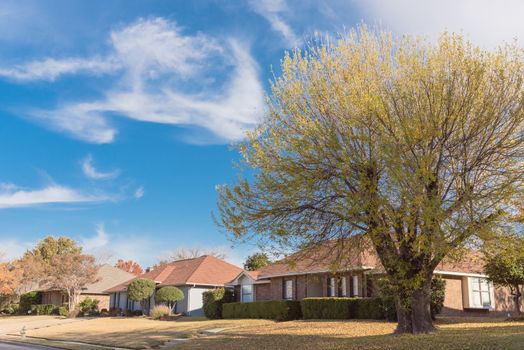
[107, 277]
[310, 274]
[192, 276]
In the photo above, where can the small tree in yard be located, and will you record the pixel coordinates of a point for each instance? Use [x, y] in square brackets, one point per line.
[169, 295]
[504, 264]
[415, 146]
[140, 290]
[129, 266]
[71, 272]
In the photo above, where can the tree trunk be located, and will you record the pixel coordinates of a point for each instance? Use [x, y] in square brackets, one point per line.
[517, 300]
[414, 312]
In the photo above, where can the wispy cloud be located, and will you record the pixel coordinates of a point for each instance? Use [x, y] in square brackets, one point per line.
[139, 193]
[91, 172]
[164, 77]
[50, 68]
[15, 197]
[272, 11]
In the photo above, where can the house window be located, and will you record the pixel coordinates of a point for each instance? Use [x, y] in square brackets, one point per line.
[247, 293]
[343, 292]
[480, 293]
[331, 286]
[355, 286]
[288, 289]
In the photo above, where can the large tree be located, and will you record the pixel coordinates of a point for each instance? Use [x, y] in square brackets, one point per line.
[50, 246]
[416, 146]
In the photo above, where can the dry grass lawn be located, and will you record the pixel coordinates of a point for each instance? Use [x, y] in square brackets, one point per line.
[464, 334]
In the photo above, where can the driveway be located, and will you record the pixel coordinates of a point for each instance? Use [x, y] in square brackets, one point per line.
[13, 346]
[13, 325]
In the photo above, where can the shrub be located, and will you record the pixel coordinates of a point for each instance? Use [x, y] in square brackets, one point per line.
[11, 309]
[160, 311]
[89, 306]
[115, 311]
[169, 295]
[63, 311]
[279, 310]
[213, 301]
[29, 299]
[348, 308]
[44, 309]
[438, 293]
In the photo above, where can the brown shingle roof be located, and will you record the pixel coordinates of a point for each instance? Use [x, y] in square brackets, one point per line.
[204, 270]
[322, 258]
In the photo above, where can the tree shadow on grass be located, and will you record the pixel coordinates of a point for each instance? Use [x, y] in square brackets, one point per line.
[510, 337]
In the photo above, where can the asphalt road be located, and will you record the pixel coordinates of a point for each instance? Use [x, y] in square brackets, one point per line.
[13, 346]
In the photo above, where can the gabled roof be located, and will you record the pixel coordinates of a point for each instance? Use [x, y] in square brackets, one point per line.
[108, 276]
[320, 259]
[205, 270]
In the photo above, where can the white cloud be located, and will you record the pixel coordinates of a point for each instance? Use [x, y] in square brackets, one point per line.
[50, 68]
[486, 22]
[272, 11]
[14, 197]
[13, 249]
[165, 77]
[139, 193]
[99, 240]
[91, 172]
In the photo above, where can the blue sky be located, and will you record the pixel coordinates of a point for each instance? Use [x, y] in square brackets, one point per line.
[117, 117]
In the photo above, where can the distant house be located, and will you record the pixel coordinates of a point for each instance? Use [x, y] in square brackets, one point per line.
[309, 274]
[192, 276]
[108, 276]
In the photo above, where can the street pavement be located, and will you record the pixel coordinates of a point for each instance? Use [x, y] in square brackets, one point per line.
[16, 346]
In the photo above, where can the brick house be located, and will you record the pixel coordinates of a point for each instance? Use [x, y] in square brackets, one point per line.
[192, 276]
[107, 277]
[309, 274]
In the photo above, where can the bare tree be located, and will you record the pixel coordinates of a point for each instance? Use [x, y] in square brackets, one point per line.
[195, 252]
[71, 272]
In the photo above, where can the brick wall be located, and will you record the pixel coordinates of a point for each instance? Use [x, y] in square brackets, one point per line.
[263, 291]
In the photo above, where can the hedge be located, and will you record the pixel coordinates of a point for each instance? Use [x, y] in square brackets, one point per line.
[348, 308]
[49, 309]
[279, 310]
[213, 301]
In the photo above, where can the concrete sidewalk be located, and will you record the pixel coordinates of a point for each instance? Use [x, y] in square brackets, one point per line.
[14, 325]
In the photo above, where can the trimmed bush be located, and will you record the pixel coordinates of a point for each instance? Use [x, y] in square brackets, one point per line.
[44, 309]
[89, 306]
[169, 295]
[348, 308]
[160, 311]
[29, 299]
[213, 301]
[278, 310]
